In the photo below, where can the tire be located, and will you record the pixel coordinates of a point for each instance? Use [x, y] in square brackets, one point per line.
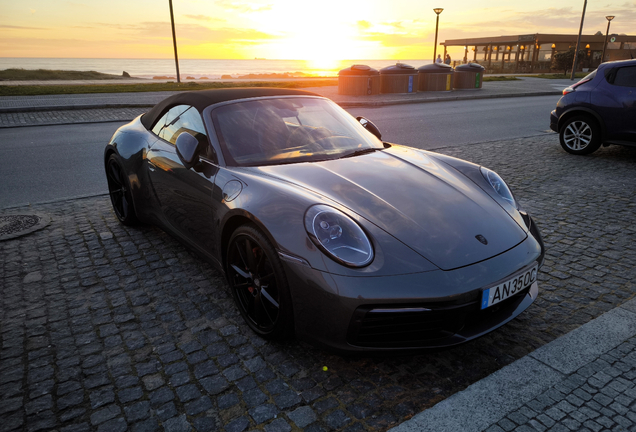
[119, 191]
[580, 135]
[258, 284]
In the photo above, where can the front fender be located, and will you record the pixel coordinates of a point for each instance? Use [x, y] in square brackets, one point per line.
[278, 209]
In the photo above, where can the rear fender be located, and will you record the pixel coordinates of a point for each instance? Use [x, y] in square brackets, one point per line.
[130, 143]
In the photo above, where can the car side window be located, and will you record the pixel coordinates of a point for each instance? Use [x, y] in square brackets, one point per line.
[183, 118]
[173, 119]
[625, 77]
[158, 127]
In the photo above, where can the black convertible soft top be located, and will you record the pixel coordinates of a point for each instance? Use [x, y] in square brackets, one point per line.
[204, 98]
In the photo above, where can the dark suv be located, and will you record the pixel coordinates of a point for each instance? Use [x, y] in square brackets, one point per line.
[599, 109]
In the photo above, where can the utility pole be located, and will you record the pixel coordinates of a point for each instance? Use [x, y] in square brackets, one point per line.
[578, 42]
[437, 11]
[609, 20]
[174, 42]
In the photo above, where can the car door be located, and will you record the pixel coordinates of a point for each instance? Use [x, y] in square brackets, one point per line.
[184, 195]
[619, 104]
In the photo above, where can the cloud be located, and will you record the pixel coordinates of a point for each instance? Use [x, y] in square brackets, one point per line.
[398, 25]
[152, 32]
[204, 18]
[21, 27]
[120, 26]
[395, 40]
[64, 44]
[393, 33]
[75, 5]
[242, 7]
[565, 20]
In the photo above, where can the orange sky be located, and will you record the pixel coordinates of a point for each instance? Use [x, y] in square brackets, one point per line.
[280, 29]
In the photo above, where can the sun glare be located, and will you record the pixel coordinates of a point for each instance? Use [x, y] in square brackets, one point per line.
[324, 64]
[322, 46]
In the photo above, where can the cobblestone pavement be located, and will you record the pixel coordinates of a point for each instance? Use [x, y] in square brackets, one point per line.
[38, 118]
[599, 396]
[105, 327]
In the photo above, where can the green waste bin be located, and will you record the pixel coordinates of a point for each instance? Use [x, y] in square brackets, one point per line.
[468, 76]
[359, 80]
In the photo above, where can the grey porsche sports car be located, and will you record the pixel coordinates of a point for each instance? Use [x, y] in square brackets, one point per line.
[322, 230]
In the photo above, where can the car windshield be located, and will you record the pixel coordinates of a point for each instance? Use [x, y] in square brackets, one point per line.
[289, 130]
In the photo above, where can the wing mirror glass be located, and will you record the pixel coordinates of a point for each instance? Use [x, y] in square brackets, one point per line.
[187, 149]
[368, 125]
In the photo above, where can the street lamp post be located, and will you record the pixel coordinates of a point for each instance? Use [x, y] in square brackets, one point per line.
[609, 19]
[578, 42]
[437, 11]
[174, 42]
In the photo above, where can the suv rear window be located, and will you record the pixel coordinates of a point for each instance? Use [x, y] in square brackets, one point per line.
[588, 77]
[625, 77]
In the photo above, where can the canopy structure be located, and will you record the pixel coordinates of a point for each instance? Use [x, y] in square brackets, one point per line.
[534, 52]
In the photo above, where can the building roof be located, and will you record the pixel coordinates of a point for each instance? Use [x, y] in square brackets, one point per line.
[534, 38]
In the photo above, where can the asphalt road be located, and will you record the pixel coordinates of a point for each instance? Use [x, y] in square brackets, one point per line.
[49, 163]
[447, 124]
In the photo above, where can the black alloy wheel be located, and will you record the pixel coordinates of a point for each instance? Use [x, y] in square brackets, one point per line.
[119, 192]
[258, 283]
[580, 135]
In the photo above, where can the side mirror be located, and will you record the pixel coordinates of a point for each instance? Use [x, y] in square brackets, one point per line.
[187, 149]
[368, 125]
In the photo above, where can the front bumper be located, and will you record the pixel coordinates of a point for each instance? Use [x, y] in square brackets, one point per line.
[437, 308]
[554, 121]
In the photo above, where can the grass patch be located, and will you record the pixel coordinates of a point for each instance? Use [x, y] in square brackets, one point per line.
[559, 75]
[500, 78]
[52, 75]
[35, 90]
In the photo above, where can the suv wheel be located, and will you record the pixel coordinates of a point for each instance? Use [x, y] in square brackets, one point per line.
[580, 135]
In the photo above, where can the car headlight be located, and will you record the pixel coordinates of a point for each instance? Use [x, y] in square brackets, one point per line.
[499, 186]
[338, 236]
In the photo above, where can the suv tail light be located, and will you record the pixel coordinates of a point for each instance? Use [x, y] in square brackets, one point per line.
[574, 86]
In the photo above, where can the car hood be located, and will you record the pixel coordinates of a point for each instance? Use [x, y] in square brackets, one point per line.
[424, 203]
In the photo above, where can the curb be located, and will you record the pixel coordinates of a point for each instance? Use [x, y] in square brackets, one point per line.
[30, 204]
[67, 123]
[5, 110]
[344, 104]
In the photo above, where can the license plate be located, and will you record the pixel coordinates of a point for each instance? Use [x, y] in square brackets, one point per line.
[521, 281]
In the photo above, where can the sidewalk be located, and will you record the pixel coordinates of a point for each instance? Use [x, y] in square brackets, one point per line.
[583, 381]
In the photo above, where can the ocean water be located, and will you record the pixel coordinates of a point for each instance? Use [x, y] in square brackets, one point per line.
[148, 68]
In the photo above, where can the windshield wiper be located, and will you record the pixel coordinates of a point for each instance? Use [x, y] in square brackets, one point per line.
[362, 151]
